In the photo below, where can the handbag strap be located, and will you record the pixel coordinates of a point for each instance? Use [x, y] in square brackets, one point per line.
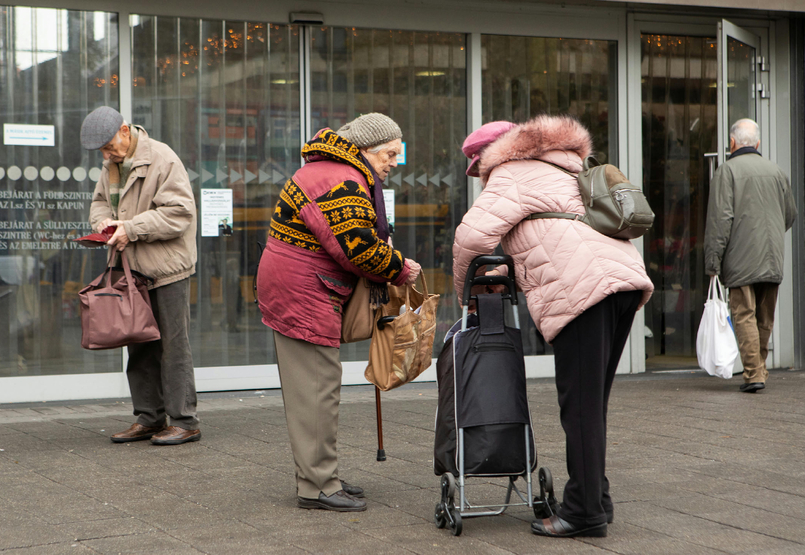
[424, 284]
[102, 278]
[131, 285]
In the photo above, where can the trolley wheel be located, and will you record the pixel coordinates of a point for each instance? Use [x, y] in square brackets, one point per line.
[448, 489]
[455, 522]
[545, 505]
[545, 483]
[439, 517]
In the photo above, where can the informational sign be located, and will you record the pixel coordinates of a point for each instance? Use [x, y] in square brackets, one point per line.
[401, 156]
[28, 135]
[216, 212]
[388, 198]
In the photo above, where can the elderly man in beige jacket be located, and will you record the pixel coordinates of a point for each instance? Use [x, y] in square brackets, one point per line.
[145, 193]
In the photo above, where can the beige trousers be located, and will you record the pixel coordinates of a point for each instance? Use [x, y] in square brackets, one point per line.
[752, 308]
[310, 376]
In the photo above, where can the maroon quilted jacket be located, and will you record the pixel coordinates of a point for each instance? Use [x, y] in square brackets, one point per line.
[322, 238]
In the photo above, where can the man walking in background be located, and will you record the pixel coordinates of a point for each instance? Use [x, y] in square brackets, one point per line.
[751, 206]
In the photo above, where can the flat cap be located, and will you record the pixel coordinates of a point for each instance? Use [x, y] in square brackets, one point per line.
[100, 127]
[371, 130]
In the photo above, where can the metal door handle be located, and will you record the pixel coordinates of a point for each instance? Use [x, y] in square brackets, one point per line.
[712, 157]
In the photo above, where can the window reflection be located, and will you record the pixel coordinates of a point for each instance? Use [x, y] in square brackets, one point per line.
[678, 75]
[419, 80]
[740, 81]
[523, 77]
[225, 96]
[56, 66]
[527, 76]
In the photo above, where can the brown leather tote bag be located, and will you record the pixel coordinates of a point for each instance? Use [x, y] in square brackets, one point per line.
[358, 320]
[116, 309]
[403, 347]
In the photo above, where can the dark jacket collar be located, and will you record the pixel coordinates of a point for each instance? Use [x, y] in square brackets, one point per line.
[744, 150]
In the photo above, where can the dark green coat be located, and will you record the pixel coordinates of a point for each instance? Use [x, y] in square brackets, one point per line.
[751, 207]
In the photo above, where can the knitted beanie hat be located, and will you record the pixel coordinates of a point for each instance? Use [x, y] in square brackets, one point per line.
[370, 130]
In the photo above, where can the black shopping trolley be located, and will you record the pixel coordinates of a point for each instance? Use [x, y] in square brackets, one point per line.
[483, 422]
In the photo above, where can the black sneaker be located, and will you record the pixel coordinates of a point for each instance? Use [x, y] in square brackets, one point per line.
[752, 387]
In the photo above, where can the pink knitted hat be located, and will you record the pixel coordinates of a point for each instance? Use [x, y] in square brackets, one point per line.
[478, 139]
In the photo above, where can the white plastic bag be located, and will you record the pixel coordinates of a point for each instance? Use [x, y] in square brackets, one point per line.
[716, 346]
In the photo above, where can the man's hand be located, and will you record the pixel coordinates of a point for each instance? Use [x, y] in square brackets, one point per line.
[119, 239]
[104, 224]
[414, 273]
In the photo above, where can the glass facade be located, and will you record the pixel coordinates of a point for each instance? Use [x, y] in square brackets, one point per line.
[526, 76]
[236, 99]
[224, 95]
[741, 70]
[419, 80]
[56, 66]
[678, 75]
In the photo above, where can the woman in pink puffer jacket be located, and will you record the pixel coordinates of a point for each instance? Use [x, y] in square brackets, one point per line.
[582, 288]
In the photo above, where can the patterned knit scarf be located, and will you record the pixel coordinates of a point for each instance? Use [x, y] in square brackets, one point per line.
[119, 173]
[330, 145]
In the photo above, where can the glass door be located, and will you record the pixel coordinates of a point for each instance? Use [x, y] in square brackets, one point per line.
[56, 66]
[678, 100]
[693, 89]
[738, 82]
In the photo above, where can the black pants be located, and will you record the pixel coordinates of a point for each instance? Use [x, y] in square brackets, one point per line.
[586, 354]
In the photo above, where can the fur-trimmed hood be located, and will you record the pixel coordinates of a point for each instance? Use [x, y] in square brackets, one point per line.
[534, 138]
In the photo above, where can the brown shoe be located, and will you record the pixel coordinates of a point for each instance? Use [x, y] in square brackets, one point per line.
[174, 435]
[137, 432]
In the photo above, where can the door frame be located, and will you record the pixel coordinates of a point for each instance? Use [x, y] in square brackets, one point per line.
[775, 122]
[726, 29]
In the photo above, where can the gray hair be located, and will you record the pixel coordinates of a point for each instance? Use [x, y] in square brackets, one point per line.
[745, 132]
[378, 148]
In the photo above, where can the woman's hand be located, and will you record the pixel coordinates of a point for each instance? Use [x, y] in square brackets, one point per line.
[415, 269]
[499, 288]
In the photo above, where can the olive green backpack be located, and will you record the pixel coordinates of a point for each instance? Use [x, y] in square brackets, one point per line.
[613, 206]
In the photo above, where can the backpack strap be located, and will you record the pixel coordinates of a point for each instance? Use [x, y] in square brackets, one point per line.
[560, 168]
[561, 215]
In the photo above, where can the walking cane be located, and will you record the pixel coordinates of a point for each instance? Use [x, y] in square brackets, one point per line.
[381, 453]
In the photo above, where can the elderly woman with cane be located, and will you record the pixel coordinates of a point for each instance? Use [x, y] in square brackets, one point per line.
[328, 229]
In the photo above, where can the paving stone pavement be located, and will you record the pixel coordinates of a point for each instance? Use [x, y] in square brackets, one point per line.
[696, 468]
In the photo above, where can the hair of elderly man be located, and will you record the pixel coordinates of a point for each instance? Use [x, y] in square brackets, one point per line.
[746, 132]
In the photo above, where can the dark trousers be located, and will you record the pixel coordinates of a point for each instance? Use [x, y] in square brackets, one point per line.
[160, 373]
[586, 355]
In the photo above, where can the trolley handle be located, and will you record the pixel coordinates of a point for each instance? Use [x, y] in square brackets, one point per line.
[487, 260]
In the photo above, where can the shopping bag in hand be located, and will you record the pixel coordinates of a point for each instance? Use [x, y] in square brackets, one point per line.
[116, 308]
[716, 346]
[403, 348]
